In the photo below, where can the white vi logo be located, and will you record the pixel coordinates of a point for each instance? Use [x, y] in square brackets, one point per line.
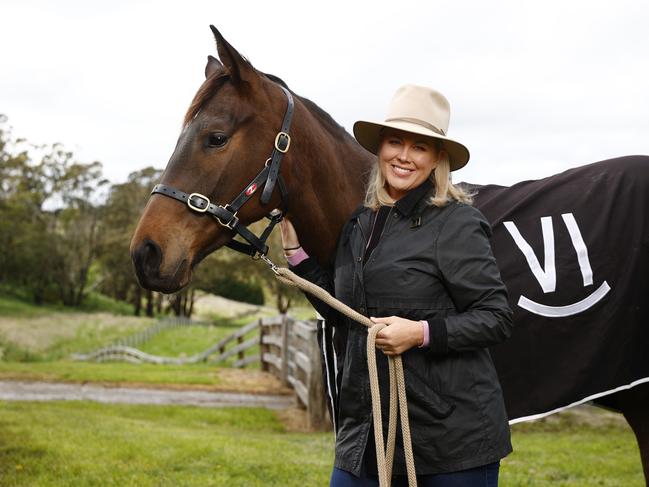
[547, 276]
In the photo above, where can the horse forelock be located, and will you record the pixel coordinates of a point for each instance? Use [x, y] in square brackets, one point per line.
[207, 90]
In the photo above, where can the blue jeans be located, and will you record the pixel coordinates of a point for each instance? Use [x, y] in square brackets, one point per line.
[484, 476]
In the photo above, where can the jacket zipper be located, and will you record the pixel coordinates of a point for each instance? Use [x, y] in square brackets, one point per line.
[387, 223]
[362, 265]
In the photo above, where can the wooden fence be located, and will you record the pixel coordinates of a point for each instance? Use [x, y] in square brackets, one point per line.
[232, 345]
[289, 350]
[284, 347]
[144, 336]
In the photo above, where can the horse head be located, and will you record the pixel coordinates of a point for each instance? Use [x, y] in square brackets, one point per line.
[229, 131]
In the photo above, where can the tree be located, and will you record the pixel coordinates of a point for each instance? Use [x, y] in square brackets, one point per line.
[49, 219]
[120, 214]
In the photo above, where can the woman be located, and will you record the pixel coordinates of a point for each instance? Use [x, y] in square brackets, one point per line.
[417, 257]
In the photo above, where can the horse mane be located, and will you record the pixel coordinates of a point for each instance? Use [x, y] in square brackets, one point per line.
[323, 116]
[212, 84]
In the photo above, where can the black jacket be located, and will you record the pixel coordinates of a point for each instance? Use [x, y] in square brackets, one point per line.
[432, 264]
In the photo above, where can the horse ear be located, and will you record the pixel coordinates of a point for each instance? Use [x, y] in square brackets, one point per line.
[238, 67]
[213, 65]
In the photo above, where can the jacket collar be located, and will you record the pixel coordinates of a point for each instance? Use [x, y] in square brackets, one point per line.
[407, 203]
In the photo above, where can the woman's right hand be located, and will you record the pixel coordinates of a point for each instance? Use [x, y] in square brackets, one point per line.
[289, 237]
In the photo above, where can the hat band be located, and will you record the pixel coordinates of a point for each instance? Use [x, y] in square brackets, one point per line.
[417, 122]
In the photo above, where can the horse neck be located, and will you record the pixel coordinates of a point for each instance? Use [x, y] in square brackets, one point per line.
[328, 173]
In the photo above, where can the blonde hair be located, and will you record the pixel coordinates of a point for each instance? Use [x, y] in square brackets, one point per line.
[445, 191]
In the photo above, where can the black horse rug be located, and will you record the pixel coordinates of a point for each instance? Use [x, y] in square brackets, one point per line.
[573, 250]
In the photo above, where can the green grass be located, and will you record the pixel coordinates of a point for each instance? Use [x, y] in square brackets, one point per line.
[192, 339]
[30, 333]
[100, 302]
[56, 335]
[562, 454]
[195, 376]
[68, 371]
[12, 306]
[88, 444]
[186, 340]
[18, 305]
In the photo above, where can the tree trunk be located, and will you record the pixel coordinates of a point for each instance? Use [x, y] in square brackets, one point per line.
[137, 300]
[149, 303]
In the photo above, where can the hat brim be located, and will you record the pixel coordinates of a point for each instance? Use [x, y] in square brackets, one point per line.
[368, 134]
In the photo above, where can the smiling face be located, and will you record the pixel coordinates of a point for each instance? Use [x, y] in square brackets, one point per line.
[405, 160]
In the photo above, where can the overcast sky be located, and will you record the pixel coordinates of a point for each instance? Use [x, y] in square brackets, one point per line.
[535, 87]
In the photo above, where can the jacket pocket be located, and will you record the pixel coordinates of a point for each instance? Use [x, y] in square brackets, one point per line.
[423, 400]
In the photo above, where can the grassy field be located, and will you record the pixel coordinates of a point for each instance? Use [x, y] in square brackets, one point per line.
[35, 344]
[15, 303]
[583, 446]
[197, 377]
[84, 443]
[89, 444]
[30, 333]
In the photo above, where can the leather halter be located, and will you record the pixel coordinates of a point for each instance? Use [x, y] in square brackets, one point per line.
[226, 215]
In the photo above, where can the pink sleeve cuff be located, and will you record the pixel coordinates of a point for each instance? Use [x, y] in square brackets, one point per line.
[297, 257]
[426, 334]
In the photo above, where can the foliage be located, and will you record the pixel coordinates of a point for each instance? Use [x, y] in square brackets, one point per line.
[237, 276]
[232, 288]
[65, 233]
[49, 223]
[120, 214]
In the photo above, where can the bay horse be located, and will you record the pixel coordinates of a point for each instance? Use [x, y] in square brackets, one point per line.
[231, 128]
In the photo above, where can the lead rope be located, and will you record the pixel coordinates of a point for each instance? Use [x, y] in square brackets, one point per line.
[384, 457]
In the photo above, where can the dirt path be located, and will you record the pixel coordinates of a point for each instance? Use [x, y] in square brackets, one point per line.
[15, 390]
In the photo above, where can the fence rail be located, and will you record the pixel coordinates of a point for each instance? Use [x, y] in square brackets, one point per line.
[137, 339]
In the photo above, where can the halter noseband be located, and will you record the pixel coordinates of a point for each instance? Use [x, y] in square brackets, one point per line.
[226, 215]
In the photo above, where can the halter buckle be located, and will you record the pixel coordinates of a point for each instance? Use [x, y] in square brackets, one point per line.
[271, 264]
[282, 137]
[198, 208]
[233, 221]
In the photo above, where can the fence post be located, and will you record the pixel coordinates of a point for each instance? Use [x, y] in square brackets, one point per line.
[242, 353]
[262, 347]
[317, 407]
[284, 352]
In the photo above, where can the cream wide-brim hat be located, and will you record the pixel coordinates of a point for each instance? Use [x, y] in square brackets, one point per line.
[421, 111]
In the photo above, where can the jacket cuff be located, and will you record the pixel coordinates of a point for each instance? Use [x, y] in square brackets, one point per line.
[297, 257]
[438, 343]
[426, 341]
[304, 266]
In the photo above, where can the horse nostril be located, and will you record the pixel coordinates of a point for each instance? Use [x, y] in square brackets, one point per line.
[147, 258]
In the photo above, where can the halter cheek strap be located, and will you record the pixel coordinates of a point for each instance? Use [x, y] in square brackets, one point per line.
[269, 176]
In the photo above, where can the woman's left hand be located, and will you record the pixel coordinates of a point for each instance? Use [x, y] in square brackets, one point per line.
[400, 334]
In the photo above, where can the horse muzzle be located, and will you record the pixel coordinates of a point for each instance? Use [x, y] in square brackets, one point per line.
[147, 259]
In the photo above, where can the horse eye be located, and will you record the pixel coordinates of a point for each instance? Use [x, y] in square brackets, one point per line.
[217, 140]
